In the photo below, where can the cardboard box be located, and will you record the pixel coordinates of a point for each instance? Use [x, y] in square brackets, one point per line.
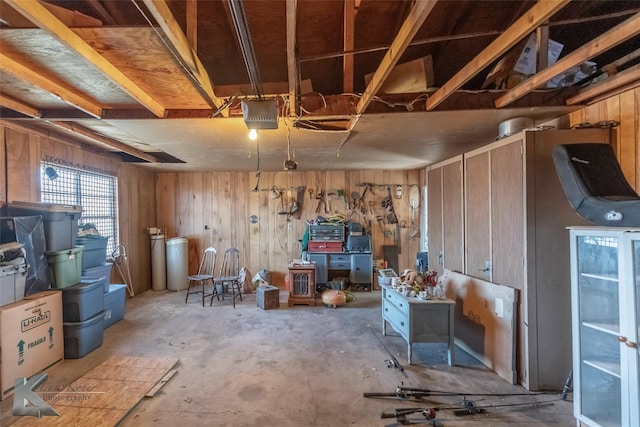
[410, 77]
[520, 63]
[30, 337]
[526, 63]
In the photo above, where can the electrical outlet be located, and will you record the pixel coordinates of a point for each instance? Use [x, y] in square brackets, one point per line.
[499, 307]
[289, 225]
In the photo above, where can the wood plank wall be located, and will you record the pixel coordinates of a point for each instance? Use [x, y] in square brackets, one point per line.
[213, 209]
[184, 203]
[624, 108]
[19, 180]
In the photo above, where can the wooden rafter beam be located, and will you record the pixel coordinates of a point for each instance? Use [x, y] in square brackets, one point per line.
[40, 16]
[67, 94]
[292, 56]
[86, 133]
[602, 43]
[527, 23]
[623, 78]
[410, 27]
[162, 14]
[350, 9]
[19, 106]
[192, 24]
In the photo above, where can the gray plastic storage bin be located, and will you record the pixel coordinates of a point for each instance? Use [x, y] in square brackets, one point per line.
[82, 301]
[60, 222]
[29, 230]
[114, 302]
[81, 338]
[95, 251]
[101, 272]
[12, 280]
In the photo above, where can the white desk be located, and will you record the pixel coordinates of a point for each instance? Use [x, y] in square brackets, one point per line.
[423, 321]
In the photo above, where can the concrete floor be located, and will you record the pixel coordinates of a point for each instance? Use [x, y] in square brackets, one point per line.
[293, 366]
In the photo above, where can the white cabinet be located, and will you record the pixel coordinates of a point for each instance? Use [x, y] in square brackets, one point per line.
[605, 272]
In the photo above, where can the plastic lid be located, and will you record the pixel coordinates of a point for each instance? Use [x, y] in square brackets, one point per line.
[50, 207]
[177, 240]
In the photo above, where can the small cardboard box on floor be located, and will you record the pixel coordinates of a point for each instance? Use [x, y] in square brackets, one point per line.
[30, 337]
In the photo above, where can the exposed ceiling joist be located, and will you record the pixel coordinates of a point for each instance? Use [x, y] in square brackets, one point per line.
[20, 107]
[181, 47]
[86, 133]
[623, 78]
[527, 23]
[292, 56]
[68, 95]
[613, 37]
[41, 17]
[410, 27]
[350, 7]
[192, 24]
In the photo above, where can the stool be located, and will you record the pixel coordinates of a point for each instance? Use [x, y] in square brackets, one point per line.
[268, 297]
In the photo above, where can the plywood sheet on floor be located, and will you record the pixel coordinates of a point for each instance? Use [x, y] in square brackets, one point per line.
[106, 394]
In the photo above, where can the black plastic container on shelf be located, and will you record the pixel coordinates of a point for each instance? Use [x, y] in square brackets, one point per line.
[81, 338]
[95, 250]
[82, 301]
[29, 231]
[114, 302]
[60, 221]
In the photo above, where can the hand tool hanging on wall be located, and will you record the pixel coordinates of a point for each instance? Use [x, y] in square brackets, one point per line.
[322, 200]
[299, 200]
[387, 204]
[414, 202]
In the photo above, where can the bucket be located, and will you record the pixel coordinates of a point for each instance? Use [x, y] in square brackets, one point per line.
[177, 263]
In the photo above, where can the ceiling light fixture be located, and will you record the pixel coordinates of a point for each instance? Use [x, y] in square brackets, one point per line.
[253, 134]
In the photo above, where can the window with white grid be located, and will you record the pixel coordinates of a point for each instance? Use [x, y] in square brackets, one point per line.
[96, 192]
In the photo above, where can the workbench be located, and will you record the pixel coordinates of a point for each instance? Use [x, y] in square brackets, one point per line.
[419, 321]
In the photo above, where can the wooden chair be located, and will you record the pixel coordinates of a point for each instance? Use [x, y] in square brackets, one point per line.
[206, 271]
[229, 277]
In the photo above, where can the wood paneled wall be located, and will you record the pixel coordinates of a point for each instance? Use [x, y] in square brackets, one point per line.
[20, 181]
[213, 209]
[624, 108]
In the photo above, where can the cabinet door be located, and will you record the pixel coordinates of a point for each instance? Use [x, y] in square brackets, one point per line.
[599, 374]
[361, 268]
[507, 215]
[321, 266]
[434, 219]
[477, 213]
[452, 225]
[632, 349]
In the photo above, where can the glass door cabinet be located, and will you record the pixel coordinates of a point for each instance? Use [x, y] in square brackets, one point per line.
[605, 299]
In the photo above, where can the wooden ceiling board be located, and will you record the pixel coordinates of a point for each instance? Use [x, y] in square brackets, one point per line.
[267, 24]
[29, 94]
[38, 50]
[218, 47]
[319, 31]
[140, 54]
